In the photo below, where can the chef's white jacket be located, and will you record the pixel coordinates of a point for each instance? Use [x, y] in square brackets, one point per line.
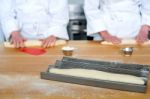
[1, 33]
[121, 18]
[35, 19]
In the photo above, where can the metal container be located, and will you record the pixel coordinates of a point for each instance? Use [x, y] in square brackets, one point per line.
[127, 51]
[130, 69]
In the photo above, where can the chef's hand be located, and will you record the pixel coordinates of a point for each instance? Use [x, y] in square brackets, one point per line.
[17, 39]
[143, 34]
[49, 41]
[109, 38]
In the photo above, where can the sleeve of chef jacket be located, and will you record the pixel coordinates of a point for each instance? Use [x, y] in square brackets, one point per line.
[58, 10]
[8, 20]
[145, 11]
[94, 18]
[1, 33]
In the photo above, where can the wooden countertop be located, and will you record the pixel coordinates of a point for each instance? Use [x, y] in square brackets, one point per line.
[20, 73]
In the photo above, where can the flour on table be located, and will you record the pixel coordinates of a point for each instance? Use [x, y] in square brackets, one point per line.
[31, 84]
[27, 84]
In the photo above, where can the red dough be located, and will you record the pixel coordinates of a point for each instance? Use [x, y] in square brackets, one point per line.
[33, 51]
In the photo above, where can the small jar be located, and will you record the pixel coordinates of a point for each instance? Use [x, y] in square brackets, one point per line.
[68, 51]
[127, 51]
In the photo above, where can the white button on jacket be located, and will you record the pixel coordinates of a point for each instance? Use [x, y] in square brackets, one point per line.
[121, 18]
[35, 19]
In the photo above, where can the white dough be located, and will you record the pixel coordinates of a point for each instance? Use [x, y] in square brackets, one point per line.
[125, 42]
[31, 43]
[100, 75]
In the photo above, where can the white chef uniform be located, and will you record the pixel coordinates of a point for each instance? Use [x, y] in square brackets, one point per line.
[36, 19]
[1, 33]
[121, 18]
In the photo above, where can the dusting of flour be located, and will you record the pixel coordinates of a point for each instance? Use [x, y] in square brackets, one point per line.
[29, 84]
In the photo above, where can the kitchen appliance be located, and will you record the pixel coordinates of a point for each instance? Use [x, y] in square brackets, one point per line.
[77, 22]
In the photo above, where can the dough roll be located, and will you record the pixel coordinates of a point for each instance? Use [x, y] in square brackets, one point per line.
[125, 42]
[31, 43]
[100, 75]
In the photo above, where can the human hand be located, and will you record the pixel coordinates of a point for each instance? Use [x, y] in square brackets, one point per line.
[109, 38]
[17, 40]
[143, 34]
[49, 41]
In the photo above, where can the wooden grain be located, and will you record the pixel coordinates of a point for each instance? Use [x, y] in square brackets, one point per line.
[18, 71]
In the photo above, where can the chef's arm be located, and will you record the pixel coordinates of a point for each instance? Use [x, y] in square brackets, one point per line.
[110, 38]
[58, 11]
[145, 12]
[94, 16]
[8, 21]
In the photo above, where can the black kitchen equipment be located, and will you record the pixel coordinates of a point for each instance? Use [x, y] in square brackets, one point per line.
[112, 67]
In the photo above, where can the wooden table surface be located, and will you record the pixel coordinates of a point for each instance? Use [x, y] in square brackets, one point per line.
[20, 73]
